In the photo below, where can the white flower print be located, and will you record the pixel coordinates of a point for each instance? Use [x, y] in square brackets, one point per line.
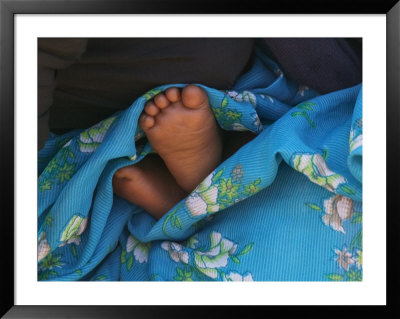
[140, 250]
[203, 199]
[267, 96]
[257, 123]
[344, 259]
[233, 276]
[192, 241]
[302, 89]
[316, 169]
[245, 96]
[43, 247]
[359, 259]
[337, 208]
[72, 232]
[176, 253]
[239, 127]
[355, 140]
[68, 143]
[90, 139]
[217, 256]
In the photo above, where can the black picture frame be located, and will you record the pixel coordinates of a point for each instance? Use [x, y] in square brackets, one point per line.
[8, 10]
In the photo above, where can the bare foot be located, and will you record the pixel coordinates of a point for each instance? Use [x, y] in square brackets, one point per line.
[182, 129]
[149, 185]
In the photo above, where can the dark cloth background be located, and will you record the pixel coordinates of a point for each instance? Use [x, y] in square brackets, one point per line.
[324, 64]
[83, 81]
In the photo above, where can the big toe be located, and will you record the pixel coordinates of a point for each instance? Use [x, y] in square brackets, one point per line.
[194, 97]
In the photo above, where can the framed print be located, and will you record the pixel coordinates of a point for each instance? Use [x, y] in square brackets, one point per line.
[148, 143]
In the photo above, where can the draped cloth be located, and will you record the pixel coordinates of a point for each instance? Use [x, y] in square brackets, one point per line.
[287, 206]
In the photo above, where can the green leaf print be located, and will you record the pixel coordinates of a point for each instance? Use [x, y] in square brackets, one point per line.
[153, 277]
[46, 274]
[50, 261]
[233, 115]
[313, 206]
[75, 227]
[226, 117]
[217, 176]
[73, 250]
[183, 274]
[100, 278]
[78, 271]
[246, 249]
[353, 275]
[312, 124]
[52, 166]
[335, 277]
[44, 185]
[306, 106]
[110, 249]
[65, 173]
[228, 189]
[252, 188]
[123, 257]
[357, 241]
[235, 259]
[224, 101]
[357, 218]
[297, 113]
[152, 93]
[325, 154]
[175, 221]
[347, 190]
[66, 152]
[48, 220]
[130, 262]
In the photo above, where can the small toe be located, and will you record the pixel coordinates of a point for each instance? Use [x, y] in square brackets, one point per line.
[146, 122]
[151, 109]
[194, 97]
[161, 101]
[121, 173]
[173, 94]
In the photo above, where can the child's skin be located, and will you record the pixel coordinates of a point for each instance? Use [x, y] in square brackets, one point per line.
[181, 127]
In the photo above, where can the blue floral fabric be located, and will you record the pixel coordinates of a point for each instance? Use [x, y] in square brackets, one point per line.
[287, 206]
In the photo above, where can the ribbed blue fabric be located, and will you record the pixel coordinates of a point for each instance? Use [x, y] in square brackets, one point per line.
[285, 207]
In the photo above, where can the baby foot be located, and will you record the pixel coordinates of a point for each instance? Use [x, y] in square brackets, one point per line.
[149, 185]
[182, 129]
